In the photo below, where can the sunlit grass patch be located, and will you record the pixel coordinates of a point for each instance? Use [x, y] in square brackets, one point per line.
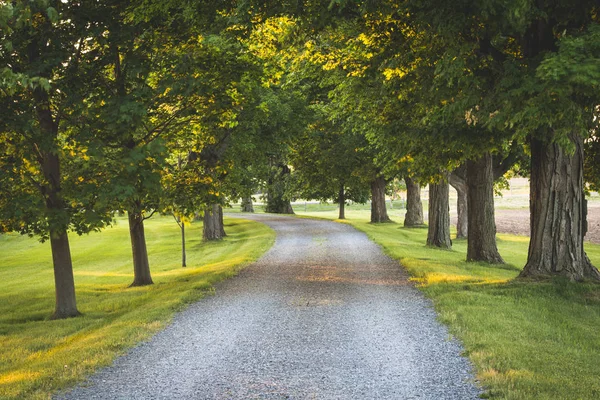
[39, 356]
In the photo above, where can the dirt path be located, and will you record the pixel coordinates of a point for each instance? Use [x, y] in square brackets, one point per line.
[323, 315]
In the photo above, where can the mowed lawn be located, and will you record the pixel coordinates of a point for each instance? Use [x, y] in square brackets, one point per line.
[39, 356]
[527, 339]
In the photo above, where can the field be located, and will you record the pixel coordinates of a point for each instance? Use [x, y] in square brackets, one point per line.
[39, 356]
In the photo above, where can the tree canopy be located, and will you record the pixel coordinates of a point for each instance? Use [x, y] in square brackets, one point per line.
[139, 107]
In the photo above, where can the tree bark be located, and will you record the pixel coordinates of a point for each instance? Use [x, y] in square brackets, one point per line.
[66, 305]
[378, 207]
[141, 267]
[342, 203]
[414, 207]
[438, 232]
[557, 213]
[458, 180]
[247, 204]
[481, 243]
[213, 228]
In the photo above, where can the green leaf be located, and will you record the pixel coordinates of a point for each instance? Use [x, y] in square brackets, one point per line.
[52, 14]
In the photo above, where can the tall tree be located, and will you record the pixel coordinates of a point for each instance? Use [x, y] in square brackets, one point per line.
[46, 189]
[482, 224]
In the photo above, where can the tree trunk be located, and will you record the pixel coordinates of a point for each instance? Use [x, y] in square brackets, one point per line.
[342, 203]
[414, 207]
[213, 223]
[278, 205]
[458, 180]
[557, 213]
[141, 267]
[66, 305]
[183, 258]
[277, 202]
[221, 221]
[378, 207]
[438, 232]
[247, 204]
[481, 243]
[462, 214]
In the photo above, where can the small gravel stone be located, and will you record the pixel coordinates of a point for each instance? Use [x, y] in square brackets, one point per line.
[323, 315]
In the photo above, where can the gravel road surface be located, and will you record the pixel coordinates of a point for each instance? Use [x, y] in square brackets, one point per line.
[323, 315]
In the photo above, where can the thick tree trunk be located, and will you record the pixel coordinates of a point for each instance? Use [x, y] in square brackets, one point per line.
[438, 232]
[247, 204]
[141, 267]
[414, 207]
[481, 244]
[378, 207]
[458, 180]
[64, 282]
[342, 203]
[557, 213]
[213, 228]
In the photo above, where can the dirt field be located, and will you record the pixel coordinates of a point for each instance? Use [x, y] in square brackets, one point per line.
[516, 221]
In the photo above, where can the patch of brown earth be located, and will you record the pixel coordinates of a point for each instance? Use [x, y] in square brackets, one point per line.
[516, 222]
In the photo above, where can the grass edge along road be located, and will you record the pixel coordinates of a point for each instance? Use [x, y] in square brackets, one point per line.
[39, 356]
[526, 339]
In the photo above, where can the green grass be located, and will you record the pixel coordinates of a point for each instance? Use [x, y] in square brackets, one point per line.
[527, 339]
[39, 356]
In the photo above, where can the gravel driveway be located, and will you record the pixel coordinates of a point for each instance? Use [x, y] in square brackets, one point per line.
[323, 315]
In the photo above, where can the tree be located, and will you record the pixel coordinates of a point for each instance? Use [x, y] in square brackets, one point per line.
[458, 180]
[438, 232]
[131, 107]
[344, 67]
[280, 116]
[482, 225]
[327, 162]
[559, 66]
[47, 191]
[414, 207]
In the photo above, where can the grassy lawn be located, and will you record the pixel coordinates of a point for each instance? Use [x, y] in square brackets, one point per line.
[527, 340]
[39, 356]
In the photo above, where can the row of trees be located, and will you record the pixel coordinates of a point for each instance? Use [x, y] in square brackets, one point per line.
[119, 106]
[460, 93]
[180, 107]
